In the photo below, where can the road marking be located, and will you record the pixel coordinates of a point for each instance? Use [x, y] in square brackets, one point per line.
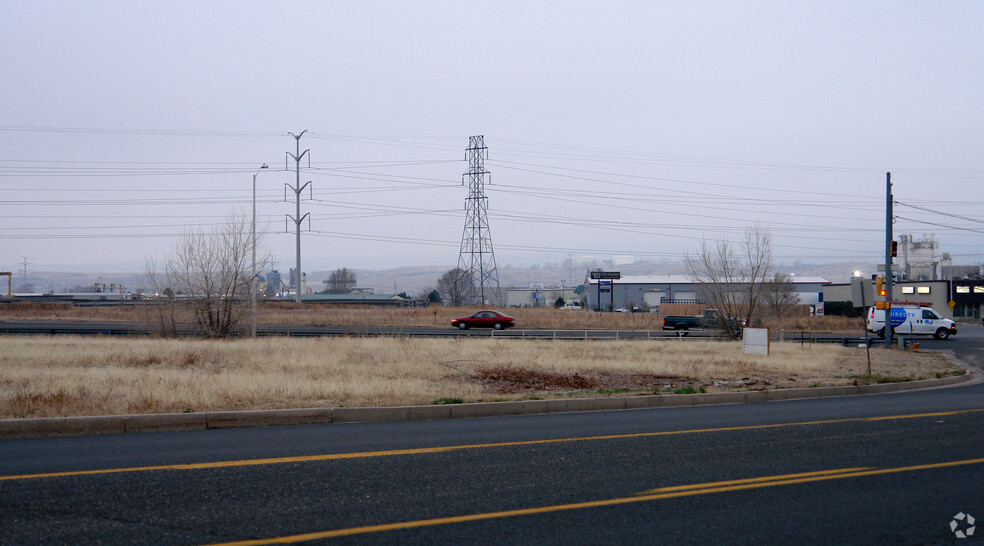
[444, 449]
[744, 481]
[645, 496]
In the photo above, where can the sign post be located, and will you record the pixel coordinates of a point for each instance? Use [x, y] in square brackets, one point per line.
[859, 289]
[606, 278]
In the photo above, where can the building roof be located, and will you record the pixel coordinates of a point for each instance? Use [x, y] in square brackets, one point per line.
[346, 298]
[680, 279]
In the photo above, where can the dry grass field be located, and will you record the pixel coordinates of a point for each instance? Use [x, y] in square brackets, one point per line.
[68, 376]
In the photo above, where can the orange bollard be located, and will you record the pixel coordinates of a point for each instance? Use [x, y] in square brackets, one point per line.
[915, 347]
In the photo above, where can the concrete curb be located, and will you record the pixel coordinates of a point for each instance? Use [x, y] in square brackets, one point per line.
[123, 424]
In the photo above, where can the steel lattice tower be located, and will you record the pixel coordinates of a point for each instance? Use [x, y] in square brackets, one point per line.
[477, 258]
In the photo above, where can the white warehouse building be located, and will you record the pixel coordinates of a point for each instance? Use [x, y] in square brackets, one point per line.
[650, 291]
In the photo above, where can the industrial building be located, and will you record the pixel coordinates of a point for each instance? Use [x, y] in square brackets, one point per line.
[649, 292]
[967, 295]
[540, 296]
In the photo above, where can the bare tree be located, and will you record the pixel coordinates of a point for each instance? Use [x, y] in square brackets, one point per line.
[731, 278]
[207, 276]
[454, 286]
[778, 295]
[341, 281]
[166, 310]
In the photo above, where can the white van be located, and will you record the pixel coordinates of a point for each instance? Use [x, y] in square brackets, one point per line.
[911, 319]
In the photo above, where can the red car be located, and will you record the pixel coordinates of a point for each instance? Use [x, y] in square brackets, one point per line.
[484, 319]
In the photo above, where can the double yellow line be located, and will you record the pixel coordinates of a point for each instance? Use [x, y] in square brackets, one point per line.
[444, 449]
[644, 496]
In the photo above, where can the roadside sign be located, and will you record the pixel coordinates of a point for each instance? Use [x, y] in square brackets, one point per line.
[952, 304]
[862, 293]
[606, 274]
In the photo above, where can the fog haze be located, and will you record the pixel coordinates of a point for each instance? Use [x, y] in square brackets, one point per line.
[623, 129]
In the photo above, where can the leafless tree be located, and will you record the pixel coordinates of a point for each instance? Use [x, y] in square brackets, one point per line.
[342, 281]
[206, 279]
[778, 295]
[454, 287]
[730, 278]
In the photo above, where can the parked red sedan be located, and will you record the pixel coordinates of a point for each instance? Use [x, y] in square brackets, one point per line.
[484, 319]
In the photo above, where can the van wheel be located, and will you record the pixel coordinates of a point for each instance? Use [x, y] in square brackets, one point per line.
[942, 333]
[881, 333]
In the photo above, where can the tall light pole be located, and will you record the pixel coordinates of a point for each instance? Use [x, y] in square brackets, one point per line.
[252, 278]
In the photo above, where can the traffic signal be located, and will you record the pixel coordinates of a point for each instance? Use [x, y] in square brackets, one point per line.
[879, 282]
[895, 248]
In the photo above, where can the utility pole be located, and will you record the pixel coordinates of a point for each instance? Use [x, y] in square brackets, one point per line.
[888, 260]
[477, 258]
[297, 218]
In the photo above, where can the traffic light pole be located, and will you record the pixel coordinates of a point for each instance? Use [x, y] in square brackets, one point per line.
[888, 260]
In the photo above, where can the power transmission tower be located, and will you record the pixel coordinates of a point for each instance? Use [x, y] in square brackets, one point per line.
[297, 218]
[477, 258]
[24, 264]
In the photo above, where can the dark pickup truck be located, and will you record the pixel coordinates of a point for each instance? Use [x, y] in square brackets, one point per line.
[710, 319]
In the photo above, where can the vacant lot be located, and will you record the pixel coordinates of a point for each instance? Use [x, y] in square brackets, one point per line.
[63, 376]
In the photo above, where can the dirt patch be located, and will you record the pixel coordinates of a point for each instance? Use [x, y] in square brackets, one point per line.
[507, 380]
[516, 380]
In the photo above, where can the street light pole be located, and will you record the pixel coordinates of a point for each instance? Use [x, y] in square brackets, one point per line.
[252, 278]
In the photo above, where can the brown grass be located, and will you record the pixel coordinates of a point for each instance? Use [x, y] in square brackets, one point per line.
[65, 375]
[284, 313]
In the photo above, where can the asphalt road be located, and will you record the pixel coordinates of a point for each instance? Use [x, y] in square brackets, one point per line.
[21, 327]
[893, 468]
[138, 329]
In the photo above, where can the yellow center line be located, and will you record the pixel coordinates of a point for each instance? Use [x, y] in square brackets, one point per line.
[744, 481]
[654, 494]
[444, 449]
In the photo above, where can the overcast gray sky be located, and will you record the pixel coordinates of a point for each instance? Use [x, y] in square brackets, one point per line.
[615, 128]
